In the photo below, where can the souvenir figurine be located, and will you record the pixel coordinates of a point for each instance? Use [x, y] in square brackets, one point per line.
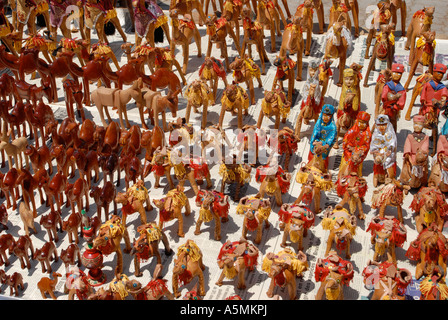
[231, 11]
[381, 17]
[71, 256]
[434, 287]
[430, 251]
[311, 104]
[20, 249]
[423, 54]
[287, 144]
[97, 14]
[269, 15]
[342, 227]
[383, 147]
[156, 289]
[188, 265]
[211, 70]
[234, 172]
[324, 75]
[170, 207]
[235, 100]
[186, 7]
[432, 99]
[356, 145]
[324, 131]
[292, 43]
[415, 169]
[109, 238]
[391, 193]
[420, 82]
[135, 199]
[253, 34]
[352, 189]
[338, 42]
[393, 96]
[77, 284]
[333, 273]
[147, 246]
[148, 16]
[213, 205]
[6, 241]
[295, 221]
[283, 268]
[274, 181]
[198, 95]
[349, 103]
[27, 217]
[304, 12]
[285, 71]
[394, 7]
[256, 213]
[387, 234]
[234, 259]
[15, 281]
[244, 71]
[383, 50]
[161, 166]
[439, 170]
[45, 254]
[387, 280]
[339, 12]
[183, 31]
[217, 30]
[430, 207]
[47, 285]
[421, 22]
[275, 104]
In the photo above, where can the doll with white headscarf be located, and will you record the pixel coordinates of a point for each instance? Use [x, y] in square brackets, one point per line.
[383, 147]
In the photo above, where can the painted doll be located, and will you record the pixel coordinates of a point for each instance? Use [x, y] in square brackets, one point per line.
[383, 147]
[394, 95]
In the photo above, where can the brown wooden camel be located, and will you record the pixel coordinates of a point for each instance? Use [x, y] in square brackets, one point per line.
[384, 50]
[253, 35]
[304, 14]
[283, 268]
[338, 42]
[103, 197]
[188, 265]
[256, 213]
[170, 208]
[217, 31]
[235, 100]
[421, 22]
[423, 54]
[396, 5]
[47, 285]
[22, 246]
[109, 238]
[292, 43]
[45, 254]
[416, 91]
[184, 7]
[309, 109]
[234, 259]
[147, 246]
[213, 205]
[269, 15]
[183, 31]
[132, 203]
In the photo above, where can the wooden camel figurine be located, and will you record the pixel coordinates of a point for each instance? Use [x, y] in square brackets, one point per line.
[292, 43]
[211, 70]
[47, 285]
[244, 70]
[108, 240]
[269, 15]
[147, 245]
[256, 213]
[421, 22]
[253, 34]
[183, 31]
[188, 264]
[304, 15]
[214, 205]
[198, 95]
[423, 53]
[235, 100]
[383, 50]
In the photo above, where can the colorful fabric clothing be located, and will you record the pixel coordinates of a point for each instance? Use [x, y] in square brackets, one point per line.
[383, 143]
[392, 107]
[414, 142]
[431, 90]
[324, 132]
[358, 139]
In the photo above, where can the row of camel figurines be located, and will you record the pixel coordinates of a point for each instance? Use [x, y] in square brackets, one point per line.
[184, 70]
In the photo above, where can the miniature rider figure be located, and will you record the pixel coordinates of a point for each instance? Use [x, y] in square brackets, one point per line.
[434, 92]
[383, 147]
[325, 131]
[414, 141]
[357, 138]
[349, 100]
[394, 95]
